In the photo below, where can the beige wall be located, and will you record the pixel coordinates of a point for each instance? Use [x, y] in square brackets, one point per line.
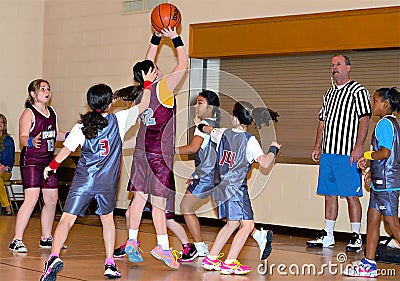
[75, 44]
[21, 55]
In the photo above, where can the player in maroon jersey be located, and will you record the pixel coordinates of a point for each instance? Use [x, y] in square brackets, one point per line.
[38, 132]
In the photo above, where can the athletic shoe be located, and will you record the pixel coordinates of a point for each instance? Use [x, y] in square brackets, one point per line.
[355, 243]
[189, 253]
[166, 256]
[265, 245]
[18, 246]
[120, 251]
[48, 243]
[322, 240]
[111, 271]
[361, 269]
[202, 248]
[51, 268]
[133, 251]
[234, 268]
[210, 264]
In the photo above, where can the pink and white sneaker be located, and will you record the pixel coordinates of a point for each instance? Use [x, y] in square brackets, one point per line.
[234, 268]
[211, 264]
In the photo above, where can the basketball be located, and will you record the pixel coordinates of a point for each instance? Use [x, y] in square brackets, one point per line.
[165, 15]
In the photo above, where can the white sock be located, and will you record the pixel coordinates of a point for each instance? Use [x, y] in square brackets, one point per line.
[162, 240]
[133, 234]
[257, 236]
[329, 227]
[355, 227]
[200, 243]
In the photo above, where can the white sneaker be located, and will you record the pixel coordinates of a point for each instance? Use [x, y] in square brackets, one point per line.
[265, 243]
[202, 249]
[355, 243]
[323, 240]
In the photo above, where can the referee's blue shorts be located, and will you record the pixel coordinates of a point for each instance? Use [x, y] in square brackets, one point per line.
[337, 177]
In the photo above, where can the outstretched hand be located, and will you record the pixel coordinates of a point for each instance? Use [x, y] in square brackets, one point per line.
[151, 75]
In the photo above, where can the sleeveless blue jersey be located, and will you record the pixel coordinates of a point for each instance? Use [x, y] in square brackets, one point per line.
[98, 167]
[385, 174]
[232, 164]
[206, 157]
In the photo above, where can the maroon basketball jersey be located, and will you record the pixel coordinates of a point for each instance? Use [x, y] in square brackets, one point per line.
[47, 126]
[157, 129]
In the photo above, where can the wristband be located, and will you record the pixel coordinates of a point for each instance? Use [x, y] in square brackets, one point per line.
[66, 134]
[30, 142]
[273, 149]
[200, 127]
[177, 41]
[54, 164]
[368, 155]
[155, 40]
[147, 84]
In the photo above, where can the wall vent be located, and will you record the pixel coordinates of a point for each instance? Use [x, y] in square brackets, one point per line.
[139, 6]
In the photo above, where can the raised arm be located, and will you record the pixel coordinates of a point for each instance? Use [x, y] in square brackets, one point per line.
[148, 79]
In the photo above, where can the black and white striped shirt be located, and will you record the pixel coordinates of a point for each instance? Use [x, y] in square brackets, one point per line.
[341, 110]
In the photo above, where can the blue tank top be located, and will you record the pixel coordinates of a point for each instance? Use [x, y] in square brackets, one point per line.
[98, 167]
[206, 157]
[232, 163]
[385, 174]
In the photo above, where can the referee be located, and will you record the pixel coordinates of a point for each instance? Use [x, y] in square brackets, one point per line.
[342, 129]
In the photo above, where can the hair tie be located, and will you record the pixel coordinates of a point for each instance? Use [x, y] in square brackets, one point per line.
[98, 110]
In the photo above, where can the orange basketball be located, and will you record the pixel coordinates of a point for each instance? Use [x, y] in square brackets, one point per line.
[165, 15]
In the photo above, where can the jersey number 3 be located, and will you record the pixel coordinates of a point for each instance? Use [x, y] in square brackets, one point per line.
[105, 147]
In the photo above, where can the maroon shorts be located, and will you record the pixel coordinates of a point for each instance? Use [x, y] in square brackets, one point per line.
[32, 176]
[152, 174]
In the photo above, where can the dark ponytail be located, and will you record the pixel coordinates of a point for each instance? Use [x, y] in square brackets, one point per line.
[392, 95]
[131, 93]
[263, 115]
[99, 98]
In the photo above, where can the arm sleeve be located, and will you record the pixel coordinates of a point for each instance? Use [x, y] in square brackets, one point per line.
[75, 138]
[126, 119]
[253, 150]
[384, 132]
[9, 152]
[363, 104]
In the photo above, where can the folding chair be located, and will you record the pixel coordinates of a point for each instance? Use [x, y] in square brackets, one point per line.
[14, 188]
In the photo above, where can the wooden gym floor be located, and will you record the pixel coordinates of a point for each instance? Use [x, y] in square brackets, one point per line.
[84, 258]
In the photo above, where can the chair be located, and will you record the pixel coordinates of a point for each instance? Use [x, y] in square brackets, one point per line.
[14, 188]
[65, 175]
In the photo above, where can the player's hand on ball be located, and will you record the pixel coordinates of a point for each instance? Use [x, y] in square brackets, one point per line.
[169, 32]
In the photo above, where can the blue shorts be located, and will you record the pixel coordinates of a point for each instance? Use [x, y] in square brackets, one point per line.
[385, 202]
[202, 187]
[337, 177]
[236, 207]
[77, 202]
[32, 176]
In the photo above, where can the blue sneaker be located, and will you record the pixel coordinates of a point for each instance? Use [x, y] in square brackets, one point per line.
[133, 251]
[364, 268]
[51, 268]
